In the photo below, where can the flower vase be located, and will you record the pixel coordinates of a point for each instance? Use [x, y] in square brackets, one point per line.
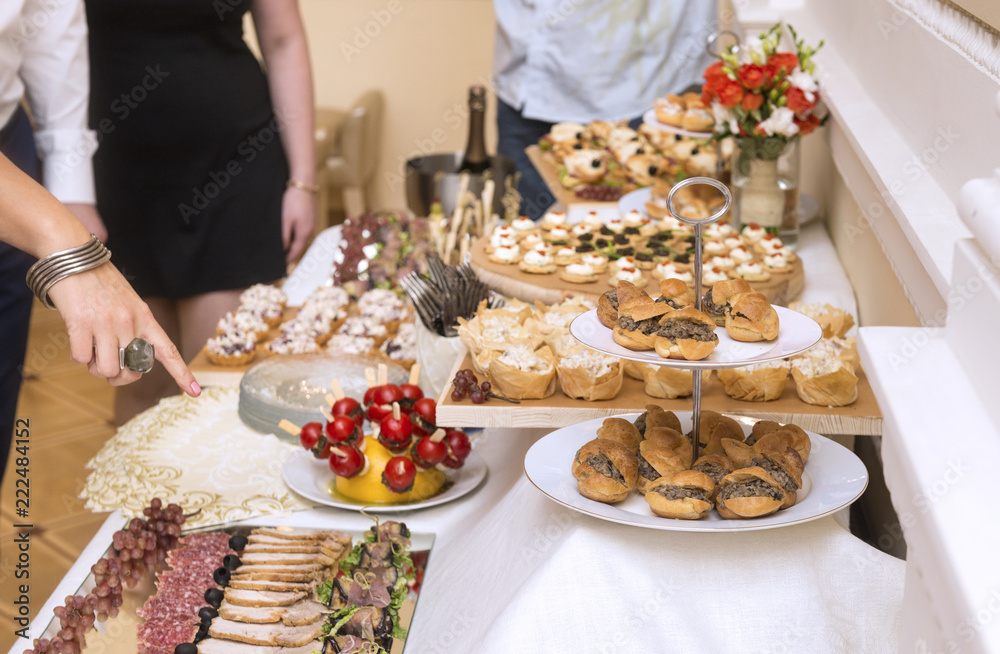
[766, 186]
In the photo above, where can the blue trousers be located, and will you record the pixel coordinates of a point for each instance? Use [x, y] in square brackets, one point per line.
[18, 144]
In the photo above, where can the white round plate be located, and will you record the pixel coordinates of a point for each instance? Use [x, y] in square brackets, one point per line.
[637, 199]
[650, 119]
[834, 478]
[311, 477]
[796, 333]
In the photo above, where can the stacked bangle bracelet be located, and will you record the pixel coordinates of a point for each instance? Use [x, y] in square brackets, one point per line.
[47, 271]
[309, 188]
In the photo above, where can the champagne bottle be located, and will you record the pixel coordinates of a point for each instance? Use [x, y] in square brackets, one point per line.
[475, 159]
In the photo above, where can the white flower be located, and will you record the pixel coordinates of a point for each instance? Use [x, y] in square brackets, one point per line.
[724, 116]
[806, 82]
[781, 121]
[752, 51]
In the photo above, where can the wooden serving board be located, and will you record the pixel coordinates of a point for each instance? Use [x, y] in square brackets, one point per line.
[510, 281]
[861, 418]
[550, 175]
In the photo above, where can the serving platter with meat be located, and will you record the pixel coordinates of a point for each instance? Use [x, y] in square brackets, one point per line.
[254, 589]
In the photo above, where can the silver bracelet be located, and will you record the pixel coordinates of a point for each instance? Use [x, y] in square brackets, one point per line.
[47, 271]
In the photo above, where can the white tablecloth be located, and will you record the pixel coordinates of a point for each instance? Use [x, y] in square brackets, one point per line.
[511, 571]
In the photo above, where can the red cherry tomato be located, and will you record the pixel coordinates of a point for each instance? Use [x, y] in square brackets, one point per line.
[458, 444]
[426, 408]
[378, 412]
[347, 466]
[395, 433]
[399, 474]
[427, 454]
[345, 406]
[369, 395]
[411, 391]
[387, 394]
[309, 436]
[341, 429]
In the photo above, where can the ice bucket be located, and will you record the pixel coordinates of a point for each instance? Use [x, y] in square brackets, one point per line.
[435, 177]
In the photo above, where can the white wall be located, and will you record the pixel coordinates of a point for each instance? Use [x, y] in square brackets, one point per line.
[422, 54]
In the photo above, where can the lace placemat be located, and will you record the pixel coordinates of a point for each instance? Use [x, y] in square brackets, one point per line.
[197, 453]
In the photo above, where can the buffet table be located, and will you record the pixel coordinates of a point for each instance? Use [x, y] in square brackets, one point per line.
[511, 570]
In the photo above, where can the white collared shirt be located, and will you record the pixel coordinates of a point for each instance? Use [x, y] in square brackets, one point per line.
[43, 56]
[584, 60]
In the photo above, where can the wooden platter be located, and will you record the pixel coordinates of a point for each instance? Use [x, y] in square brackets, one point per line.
[510, 281]
[863, 417]
[550, 175]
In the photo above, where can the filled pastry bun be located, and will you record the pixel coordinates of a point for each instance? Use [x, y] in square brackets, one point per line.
[715, 466]
[605, 471]
[685, 334]
[683, 495]
[671, 439]
[676, 294]
[784, 437]
[638, 318]
[716, 300]
[748, 493]
[607, 308]
[786, 468]
[751, 318]
[620, 431]
[655, 462]
[657, 416]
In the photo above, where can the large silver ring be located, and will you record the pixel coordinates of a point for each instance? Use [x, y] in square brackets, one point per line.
[137, 356]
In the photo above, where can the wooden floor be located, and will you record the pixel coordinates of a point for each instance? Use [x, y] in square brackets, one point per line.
[71, 417]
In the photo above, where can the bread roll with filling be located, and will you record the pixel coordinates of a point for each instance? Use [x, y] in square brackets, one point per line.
[684, 495]
[605, 471]
[749, 493]
[716, 300]
[654, 462]
[638, 318]
[685, 334]
[751, 318]
[620, 431]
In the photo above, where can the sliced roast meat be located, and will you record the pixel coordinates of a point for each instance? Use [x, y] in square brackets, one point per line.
[265, 634]
[262, 597]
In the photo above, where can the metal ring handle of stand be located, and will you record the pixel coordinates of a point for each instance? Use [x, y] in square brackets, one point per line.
[714, 37]
[697, 224]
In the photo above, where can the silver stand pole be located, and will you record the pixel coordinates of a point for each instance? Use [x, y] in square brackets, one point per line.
[698, 223]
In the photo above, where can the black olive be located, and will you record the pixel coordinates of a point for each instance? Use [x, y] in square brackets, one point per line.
[207, 613]
[200, 636]
[579, 135]
[596, 163]
[640, 151]
[231, 561]
[186, 648]
[634, 138]
[694, 151]
[577, 146]
[214, 597]
[678, 137]
[221, 576]
[237, 543]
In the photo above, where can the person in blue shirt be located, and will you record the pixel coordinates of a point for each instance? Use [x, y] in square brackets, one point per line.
[585, 60]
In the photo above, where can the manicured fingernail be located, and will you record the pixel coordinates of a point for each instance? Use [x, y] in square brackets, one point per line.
[195, 389]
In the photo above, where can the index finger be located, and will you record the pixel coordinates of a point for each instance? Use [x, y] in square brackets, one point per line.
[167, 354]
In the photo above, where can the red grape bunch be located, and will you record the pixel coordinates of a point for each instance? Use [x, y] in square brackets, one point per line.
[138, 548]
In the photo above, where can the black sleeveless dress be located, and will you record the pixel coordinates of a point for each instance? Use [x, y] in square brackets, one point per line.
[190, 171]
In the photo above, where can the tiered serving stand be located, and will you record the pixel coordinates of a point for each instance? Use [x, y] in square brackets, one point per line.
[834, 477]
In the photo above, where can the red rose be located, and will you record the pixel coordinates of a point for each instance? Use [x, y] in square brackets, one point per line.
[752, 76]
[797, 101]
[787, 60]
[714, 71]
[752, 101]
[730, 93]
[807, 125]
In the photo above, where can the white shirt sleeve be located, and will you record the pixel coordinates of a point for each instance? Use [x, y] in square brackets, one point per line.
[56, 74]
